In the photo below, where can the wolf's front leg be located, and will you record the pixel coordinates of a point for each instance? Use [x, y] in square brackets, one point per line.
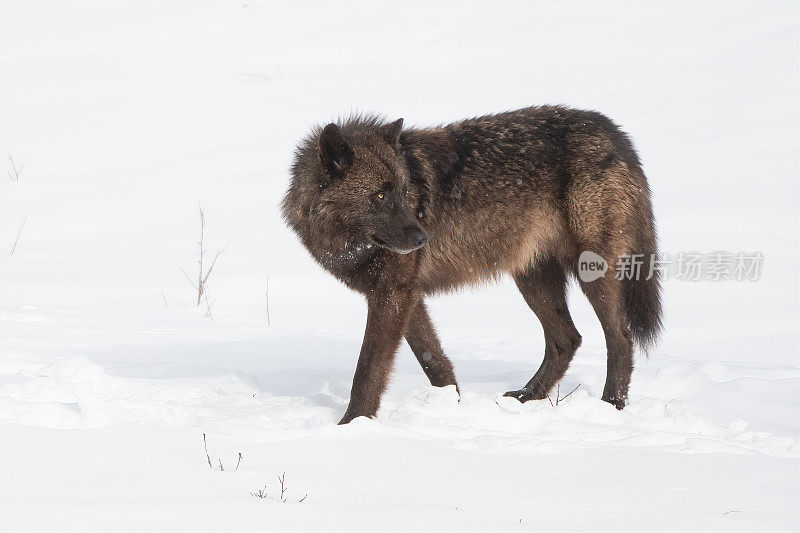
[421, 336]
[387, 318]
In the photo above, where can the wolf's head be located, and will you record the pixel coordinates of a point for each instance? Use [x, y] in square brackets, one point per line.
[351, 182]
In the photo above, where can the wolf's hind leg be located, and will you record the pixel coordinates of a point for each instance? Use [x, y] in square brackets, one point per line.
[544, 289]
[421, 336]
[605, 295]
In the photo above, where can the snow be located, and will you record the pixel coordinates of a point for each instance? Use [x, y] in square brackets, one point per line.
[125, 117]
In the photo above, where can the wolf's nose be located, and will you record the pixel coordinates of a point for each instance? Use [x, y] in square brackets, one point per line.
[418, 238]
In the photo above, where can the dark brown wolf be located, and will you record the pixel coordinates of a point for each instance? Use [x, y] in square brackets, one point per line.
[398, 214]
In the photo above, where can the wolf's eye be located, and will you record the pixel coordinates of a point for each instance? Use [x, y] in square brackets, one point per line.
[380, 196]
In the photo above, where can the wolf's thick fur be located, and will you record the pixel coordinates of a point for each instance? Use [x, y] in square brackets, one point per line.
[398, 214]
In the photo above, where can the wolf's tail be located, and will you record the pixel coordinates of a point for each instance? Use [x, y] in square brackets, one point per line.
[642, 296]
[643, 310]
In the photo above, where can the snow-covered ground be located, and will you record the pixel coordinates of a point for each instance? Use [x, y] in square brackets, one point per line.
[125, 117]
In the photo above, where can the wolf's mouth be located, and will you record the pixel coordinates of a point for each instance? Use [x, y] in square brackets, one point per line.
[391, 248]
[380, 241]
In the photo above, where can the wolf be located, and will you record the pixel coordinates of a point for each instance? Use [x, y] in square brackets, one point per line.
[399, 214]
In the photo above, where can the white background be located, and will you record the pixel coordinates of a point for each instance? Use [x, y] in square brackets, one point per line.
[127, 116]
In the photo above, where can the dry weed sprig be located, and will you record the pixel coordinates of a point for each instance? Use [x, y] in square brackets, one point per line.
[203, 273]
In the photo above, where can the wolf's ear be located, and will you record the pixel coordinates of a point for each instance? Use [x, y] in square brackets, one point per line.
[391, 133]
[334, 152]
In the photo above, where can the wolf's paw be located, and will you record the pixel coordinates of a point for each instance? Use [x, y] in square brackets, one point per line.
[616, 401]
[454, 384]
[352, 414]
[524, 395]
[447, 391]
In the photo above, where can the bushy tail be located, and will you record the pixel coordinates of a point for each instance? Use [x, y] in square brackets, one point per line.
[643, 310]
[642, 296]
